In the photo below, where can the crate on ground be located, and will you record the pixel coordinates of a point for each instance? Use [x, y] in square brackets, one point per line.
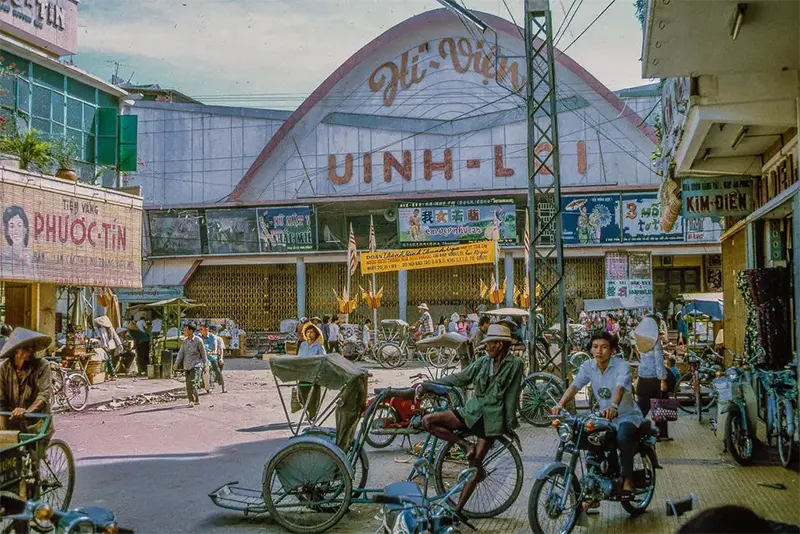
[97, 378]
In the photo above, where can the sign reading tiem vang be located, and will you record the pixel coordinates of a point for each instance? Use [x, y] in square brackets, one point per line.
[426, 258]
[719, 197]
[74, 235]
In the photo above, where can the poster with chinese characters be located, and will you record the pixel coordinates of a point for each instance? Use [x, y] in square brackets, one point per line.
[616, 275]
[422, 224]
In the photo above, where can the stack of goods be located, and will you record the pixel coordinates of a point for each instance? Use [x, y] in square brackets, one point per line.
[765, 293]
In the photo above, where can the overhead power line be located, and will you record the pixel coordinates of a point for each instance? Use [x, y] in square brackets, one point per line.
[589, 26]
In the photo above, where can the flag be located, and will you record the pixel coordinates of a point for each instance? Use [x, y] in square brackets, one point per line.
[372, 246]
[352, 253]
[483, 289]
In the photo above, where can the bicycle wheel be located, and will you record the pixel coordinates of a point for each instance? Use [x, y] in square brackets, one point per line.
[390, 355]
[440, 357]
[57, 475]
[576, 359]
[76, 390]
[497, 491]
[307, 487]
[540, 392]
[784, 431]
[688, 397]
[383, 413]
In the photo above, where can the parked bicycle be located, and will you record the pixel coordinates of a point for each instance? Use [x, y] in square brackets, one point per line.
[694, 390]
[70, 387]
[736, 411]
[399, 345]
[779, 396]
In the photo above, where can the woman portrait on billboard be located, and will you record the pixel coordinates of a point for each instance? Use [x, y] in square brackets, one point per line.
[16, 234]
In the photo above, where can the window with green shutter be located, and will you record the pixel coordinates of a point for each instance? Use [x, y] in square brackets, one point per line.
[128, 134]
[107, 136]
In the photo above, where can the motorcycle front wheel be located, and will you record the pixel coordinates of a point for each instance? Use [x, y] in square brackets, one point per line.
[546, 514]
[739, 443]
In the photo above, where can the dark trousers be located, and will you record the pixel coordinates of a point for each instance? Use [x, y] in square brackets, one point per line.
[647, 389]
[216, 371]
[334, 346]
[143, 356]
[628, 436]
[191, 378]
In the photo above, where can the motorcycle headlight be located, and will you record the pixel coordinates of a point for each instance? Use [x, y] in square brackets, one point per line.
[402, 525]
[41, 518]
[564, 432]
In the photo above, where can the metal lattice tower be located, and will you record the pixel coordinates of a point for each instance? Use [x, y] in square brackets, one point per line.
[544, 188]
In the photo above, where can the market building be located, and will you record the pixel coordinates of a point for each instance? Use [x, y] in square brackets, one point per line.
[423, 131]
[730, 148]
[59, 233]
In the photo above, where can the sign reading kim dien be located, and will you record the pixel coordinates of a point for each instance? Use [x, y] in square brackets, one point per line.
[718, 197]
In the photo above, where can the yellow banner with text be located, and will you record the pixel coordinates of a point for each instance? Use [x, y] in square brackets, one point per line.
[427, 258]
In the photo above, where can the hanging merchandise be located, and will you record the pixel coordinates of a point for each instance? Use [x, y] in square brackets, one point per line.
[764, 291]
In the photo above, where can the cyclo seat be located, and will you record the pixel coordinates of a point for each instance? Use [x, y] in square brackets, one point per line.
[98, 514]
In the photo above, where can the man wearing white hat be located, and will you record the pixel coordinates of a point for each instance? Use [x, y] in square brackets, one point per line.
[25, 380]
[424, 325]
[490, 412]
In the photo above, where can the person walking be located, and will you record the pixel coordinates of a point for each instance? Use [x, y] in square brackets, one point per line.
[325, 329]
[652, 382]
[333, 334]
[215, 349]
[192, 355]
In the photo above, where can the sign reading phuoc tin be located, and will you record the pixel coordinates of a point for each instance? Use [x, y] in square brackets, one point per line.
[48, 24]
[426, 258]
[430, 223]
[719, 197]
[59, 238]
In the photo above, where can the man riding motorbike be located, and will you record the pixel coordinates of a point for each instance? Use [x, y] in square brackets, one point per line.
[492, 409]
[610, 379]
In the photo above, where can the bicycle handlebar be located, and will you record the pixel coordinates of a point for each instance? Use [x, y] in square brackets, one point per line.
[47, 418]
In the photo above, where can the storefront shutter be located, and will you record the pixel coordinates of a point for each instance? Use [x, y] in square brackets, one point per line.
[128, 134]
[107, 136]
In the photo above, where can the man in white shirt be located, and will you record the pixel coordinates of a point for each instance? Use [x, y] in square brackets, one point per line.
[333, 334]
[611, 384]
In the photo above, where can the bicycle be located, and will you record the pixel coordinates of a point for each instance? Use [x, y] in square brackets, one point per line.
[694, 390]
[70, 387]
[780, 390]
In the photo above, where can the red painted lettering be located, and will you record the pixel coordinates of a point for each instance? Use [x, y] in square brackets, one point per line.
[80, 225]
[333, 175]
[500, 171]
[582, 158]
[446, 165]
[367, 168]
[38, 225]
[121, 237]
[390, 162]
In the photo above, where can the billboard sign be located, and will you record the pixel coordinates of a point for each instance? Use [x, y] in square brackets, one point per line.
[422, 224]
[590, 220]
[285, 229]
[641, 220]
[717, 197]
[175, 233]
[233, 231]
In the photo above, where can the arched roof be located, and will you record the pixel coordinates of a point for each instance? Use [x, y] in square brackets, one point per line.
[410, 26]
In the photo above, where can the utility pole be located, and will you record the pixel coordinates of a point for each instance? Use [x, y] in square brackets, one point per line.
[544, 181]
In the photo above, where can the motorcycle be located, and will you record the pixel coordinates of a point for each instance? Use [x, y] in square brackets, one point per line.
[19, 516]
[394, 418]
[559, 491]
[736, 412]
[408, 510]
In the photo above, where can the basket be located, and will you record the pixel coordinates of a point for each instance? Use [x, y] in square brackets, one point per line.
[663, 410]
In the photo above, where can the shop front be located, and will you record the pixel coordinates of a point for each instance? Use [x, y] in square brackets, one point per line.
[58, 233]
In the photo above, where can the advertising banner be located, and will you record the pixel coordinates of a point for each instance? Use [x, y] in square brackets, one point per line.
[422, 224]
[68, 239]
[718, 196]
[703, 229]
[149, 294]
[641, 220]
[175, 233]
[640, 281]
[590, 220]
[285, 229]
[426, 258]
[232, 231]
[616, 275]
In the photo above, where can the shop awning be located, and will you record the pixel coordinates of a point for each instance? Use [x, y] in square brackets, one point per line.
[704, 307]
[591, 305]
[708, 297]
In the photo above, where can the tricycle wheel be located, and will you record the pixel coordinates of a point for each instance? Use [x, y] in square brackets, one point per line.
[384, 412]
[307, 487]
[390, 355]
[57, 475]
[360, 472]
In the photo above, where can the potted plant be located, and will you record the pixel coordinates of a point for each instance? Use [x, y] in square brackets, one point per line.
[30, 147]
[64, 153]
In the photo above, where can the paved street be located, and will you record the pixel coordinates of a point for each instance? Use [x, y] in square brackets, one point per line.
[154, 465]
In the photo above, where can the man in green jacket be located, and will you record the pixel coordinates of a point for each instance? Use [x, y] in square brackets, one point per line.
[491, 412]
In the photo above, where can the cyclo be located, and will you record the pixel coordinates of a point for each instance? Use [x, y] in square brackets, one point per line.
[32, 468]
[311, 481]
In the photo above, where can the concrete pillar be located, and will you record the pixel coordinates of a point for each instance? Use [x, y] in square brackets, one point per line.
[508, 262]
[402, 294]
[301, 287]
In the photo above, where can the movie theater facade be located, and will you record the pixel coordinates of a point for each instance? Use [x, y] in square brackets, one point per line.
[422, 131]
